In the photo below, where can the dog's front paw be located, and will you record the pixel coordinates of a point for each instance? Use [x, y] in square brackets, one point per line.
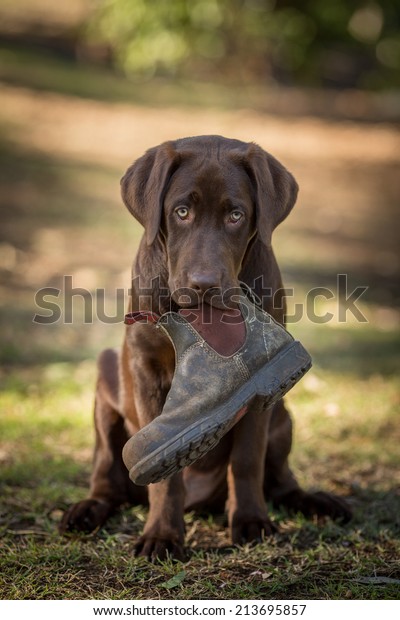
[320, 504]
[155, 548]
[85, 517]
[248, 529]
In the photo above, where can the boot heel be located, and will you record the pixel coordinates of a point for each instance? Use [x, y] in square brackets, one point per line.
[281, 374]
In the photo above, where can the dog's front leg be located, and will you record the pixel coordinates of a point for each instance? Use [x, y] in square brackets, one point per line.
[164, 531]
[151, 366]
[247, 509]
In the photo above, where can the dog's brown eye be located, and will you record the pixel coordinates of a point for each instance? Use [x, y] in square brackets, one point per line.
[235, 216]
[182, 212]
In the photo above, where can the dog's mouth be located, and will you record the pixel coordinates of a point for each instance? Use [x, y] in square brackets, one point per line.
[187, 298]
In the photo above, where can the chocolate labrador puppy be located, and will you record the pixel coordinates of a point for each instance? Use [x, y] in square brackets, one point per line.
[208, 206]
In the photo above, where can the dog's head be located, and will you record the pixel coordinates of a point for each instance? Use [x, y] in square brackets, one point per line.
[208, 198]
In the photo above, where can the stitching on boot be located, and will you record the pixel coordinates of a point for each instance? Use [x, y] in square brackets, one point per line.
[265, 342]
[214, 354]
[244, 371]
[195, 345]
[183, 321]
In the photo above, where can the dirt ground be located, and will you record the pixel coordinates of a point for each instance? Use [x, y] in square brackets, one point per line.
[348, 175]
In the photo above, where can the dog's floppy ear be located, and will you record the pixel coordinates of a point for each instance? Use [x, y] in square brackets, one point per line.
[144, 184]
[275, 190]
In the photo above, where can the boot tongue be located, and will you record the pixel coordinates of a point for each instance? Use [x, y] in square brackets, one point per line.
[223, 330]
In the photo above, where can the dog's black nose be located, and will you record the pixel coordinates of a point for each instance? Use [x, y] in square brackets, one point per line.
[204, 281]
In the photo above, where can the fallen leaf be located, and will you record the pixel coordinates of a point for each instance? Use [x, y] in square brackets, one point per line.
[176, 580]
[376, 580]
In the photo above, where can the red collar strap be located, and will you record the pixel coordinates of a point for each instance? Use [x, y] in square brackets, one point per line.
[135, 317]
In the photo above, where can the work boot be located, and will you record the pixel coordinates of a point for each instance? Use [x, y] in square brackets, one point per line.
[211, 391]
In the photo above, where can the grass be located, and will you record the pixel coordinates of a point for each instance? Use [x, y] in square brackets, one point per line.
[61, 214]
[346, 441]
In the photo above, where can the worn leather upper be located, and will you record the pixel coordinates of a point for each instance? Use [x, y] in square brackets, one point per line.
[203, 379]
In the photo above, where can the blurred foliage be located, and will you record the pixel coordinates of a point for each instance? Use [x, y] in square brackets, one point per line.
[331, 43]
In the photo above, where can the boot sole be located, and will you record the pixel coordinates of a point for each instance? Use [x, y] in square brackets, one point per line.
[272, 382]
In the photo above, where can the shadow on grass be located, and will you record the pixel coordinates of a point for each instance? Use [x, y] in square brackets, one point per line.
[356, 352]
[40, 487]
[57, 195]
[29, 345]
[53, 224]
[41, 191]
[361, 353]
